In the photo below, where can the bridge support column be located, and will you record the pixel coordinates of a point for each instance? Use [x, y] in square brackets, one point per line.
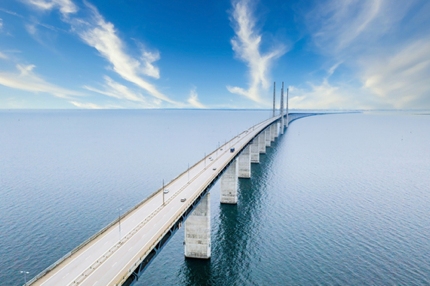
[273, 131]
[229, 181]
[281, 126]
[197, 242]
[268, 136]
[255, 154]
[245, 163]
[262, 142]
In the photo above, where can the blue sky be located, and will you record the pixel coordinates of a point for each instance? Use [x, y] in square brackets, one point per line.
[351, 54]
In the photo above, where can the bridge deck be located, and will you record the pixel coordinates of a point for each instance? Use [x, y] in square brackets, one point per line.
[108, 259]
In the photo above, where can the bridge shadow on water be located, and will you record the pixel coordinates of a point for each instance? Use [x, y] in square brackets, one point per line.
[234, 232]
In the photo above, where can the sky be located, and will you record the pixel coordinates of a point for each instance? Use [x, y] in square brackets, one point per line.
[330, 54]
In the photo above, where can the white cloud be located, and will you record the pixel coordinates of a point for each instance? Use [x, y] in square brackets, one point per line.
[103, 37]
[401, 79]
[385, 46]
[1, 24]
[87, 105]
[31, 29]
[147, 67]
[193, 99]
[321, 96]
[3, 56]
[11, 13]
[247, 44]
[335, 25]
[65, 6]
[116, 90]
[27, 80]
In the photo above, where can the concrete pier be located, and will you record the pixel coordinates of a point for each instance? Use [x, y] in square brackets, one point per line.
[262, 142]
[282, 110]
[281, 126]
[287, 119]
[255, 154]
[268, 136]
[229, 182]
[197, 242]
[273, 131]
[245, 163]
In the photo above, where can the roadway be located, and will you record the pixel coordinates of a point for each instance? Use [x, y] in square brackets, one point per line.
[110, 257]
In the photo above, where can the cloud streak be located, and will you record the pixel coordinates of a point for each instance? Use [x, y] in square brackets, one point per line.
[383, 44]
[65, 6]
[193, 99]
[3, 56]
[27, 80]
[117, 90]
[401, 79]
[100, 34]
[246, 45]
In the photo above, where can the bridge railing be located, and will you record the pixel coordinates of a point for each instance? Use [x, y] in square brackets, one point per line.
[126, 271]
[107, 227]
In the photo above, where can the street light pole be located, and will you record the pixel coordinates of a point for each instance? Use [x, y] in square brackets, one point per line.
[25, 276]
[163, 192]
[119, 222]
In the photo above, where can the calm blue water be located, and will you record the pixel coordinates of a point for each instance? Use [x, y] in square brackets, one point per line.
[338, 200]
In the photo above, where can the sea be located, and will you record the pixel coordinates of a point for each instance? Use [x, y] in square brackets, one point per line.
[339, 199]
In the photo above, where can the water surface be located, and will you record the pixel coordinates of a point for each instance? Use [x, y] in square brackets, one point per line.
[340, 199]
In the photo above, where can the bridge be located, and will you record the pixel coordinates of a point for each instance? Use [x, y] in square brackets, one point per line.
[121, 251]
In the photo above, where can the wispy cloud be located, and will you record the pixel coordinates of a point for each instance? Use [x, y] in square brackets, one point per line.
[335, 25]
[65, 6]
[100, 34]
[246, 45]
[103, 37]
[27, 80]
[324, 96]
[114, 89]
[11, 13]
[401, 79]
[31, 29]
[385, 46]
[193, 99]
[87, 105]
[3, 56]
[1, 24]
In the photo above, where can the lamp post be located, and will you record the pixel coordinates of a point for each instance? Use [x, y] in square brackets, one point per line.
[163, 192]
[119, 222]
[25, 276]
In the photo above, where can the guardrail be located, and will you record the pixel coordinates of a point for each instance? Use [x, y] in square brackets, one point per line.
[262, 126]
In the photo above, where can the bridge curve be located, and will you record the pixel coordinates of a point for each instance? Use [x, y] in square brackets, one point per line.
[119, 253]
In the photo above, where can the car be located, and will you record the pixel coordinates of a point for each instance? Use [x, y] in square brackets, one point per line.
[166, 191]
[231, 150]
[214, 169]
[183, 200]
